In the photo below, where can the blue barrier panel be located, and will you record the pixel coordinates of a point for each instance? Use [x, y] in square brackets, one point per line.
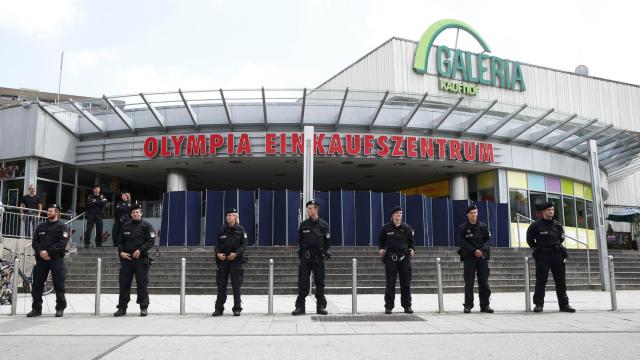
[164, 220]
[363, 218]
[247, 212]
[389, 200]
[459, 217]
[377, 218]
[176, 217]
[335, 217]
[322, 197]
[214, 216]
[231, 199]
[428, 222]
[349, 217]
[193, 218]
[414, 216]
[280, 217]
[293, 216]
[502, 225]
[265, 219]
[441, 221]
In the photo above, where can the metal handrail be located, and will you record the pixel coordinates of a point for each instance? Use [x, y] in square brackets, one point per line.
[565, 235]
[20, 208]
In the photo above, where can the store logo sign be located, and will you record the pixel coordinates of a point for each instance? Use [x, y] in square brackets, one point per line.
[8, 172]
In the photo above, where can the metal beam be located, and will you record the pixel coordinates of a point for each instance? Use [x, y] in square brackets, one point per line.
[469, 123]
[264, 108]
[304, 104]
[375, 116]
[612, 145]
[45, 108]
[192, 115]
[124, 117]
[444, 116]
[543, 133]
[97, 123]
[494, 129]
[530, 124]
[344, 100]
[583, 138]
[567, 134]
[159, 118]
[406, 121]
[617, 150]
[226, 108]
[617, 160]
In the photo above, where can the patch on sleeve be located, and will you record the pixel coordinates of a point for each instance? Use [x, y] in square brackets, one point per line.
[152, 234]
[65, 235]
[245, 235]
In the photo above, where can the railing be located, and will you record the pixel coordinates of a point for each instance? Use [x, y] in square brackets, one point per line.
[530, 220]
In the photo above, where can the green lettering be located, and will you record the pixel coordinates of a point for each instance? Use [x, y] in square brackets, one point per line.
[517, 77]
[443, 66]
[469, 64]
[481, 59]
[458, 65]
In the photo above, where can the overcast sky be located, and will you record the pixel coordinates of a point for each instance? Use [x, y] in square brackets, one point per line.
[120, 47]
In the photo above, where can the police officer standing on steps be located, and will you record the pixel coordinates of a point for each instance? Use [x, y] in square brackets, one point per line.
[396, 248]
[232, 242]
[95, 204]
[49, 243]
[120, 216]
[314, 236]
[545, 237]
[474, 240]
[137, 237]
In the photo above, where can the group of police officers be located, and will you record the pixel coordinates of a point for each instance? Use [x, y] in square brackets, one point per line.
[396, 248]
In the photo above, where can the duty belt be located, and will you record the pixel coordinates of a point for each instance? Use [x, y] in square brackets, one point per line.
[307, 254]
[395, 257]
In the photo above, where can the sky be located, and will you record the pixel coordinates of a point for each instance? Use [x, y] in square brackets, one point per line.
[124, 47]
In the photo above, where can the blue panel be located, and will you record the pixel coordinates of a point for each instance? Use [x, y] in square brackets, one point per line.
[459, 216]
[280, 217]
[247, 212]
[176, 218]
[377, 220]
[502, 225]
[293, 216]
[389, 200]
[193, 220]
[335, 217]
[214, 216]
[322, 197]
[482, 211]
[492, 220]
[164, 220]
[428, 221]
[349, 217]
[363, 220]
[265, 211]
[440, 220]
[414, 216]
[231, 199]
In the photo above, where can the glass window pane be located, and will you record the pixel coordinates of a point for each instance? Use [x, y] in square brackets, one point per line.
[19, 164]
[581, 214]
[67, 198]
[487, 195]
[48, 170]
[557, 205]
[536, 199]
[590, 224]
[519, 203]
[13, 191]
[68, 174]
[48, 192]
[569, 210]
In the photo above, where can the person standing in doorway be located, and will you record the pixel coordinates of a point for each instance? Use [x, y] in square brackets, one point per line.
[95, 205]
[33, 203]
[120, 216]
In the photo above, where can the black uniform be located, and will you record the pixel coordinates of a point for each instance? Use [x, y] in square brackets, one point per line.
[230, 240]
[135, 235]
[33, 203]
[472, 237]
[313, 248]
[95, 205]
[121, 216]
[52, 237]
[545, 237]
[397, 241]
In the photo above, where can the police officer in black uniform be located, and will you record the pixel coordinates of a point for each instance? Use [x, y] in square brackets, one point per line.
[120, 216]
[474, 240]
[137, 237]
[232, 242]
[95, 204]
[545, 237]
[313, 251]
[396, 246]
[49, 243]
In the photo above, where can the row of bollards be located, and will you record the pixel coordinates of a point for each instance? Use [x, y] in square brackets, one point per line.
[354, 286]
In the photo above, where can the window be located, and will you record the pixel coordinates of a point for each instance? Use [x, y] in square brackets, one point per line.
[519, 204]
[68, 174]
[48, 170]
[487, 195]
[581, 214]
[590, 224]
[66, 199]
[48, 192]
[557, 205]
[536, 199]
[569, 211]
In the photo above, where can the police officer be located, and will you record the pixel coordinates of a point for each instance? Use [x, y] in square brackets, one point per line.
[474, 240]
[545, 237]
[120, 216]
[396, 247]
[137, 237]
[313, 251]
[95, 204]
[232, 242]
[49, 244]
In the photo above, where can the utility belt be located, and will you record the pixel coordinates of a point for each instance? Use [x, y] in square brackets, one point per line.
[551, 250]
[313, 254]
[396, 256]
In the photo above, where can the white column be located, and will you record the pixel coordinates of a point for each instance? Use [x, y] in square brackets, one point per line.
[598, 213]
[30, 174]
[176, 180]
[458, 186]
[307, 175]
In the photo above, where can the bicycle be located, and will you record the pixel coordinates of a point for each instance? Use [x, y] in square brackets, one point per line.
[7, 269]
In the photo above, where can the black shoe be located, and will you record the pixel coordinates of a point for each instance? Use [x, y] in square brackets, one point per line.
[218, 312]
[298, 311]
[487, 309]
[59, 313]
[34, 313]
[322, 311]
[537, 309]
[120, 312]
[236, 312]
[567, 309]
[143, 312]
[467, 310]
[99, 245]
[408, 310]
[388, 311]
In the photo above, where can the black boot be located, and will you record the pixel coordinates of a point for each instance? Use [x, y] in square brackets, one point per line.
[59, 313]
[408, 310]
[34, 313]
[486, 309]
[538, 309]
[120, 312]
[143, 312]
[567, 308]
[217, 312]
[298, 311]
[322, 311]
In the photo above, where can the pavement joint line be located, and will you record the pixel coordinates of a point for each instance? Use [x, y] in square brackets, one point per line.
[115, 347]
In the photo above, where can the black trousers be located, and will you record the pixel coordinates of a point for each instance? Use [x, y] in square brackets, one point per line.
[480, 266]
[115, 232]
[234, 270]
[554, 261]
[40, 273]
[392, 269]
[313, 264]
[129, 269]
[91, 221]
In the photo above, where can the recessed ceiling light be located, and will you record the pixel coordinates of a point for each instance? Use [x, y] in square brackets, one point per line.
[291, 161]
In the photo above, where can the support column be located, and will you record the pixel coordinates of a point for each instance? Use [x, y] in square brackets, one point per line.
[177, 180]
[458, 186]
[598, 213]
[30, 174]
[307, 170]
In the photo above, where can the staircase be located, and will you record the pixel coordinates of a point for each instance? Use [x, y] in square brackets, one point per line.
[507, 270]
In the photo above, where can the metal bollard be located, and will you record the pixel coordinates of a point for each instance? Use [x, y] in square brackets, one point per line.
[98, 286]
[527, 285]
[439, 274]
[270, 306]
[183, 281]
[14, 286]
[612, 282]
[354, 287]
